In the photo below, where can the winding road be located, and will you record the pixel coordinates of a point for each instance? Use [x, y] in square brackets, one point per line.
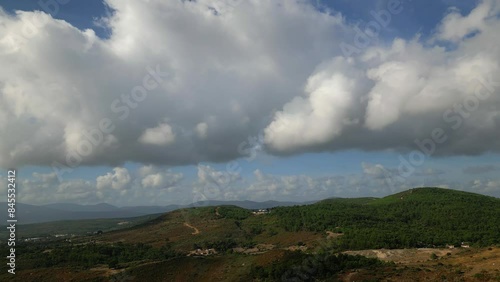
[196, 231]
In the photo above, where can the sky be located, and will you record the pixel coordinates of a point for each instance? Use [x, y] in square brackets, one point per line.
[171, 102]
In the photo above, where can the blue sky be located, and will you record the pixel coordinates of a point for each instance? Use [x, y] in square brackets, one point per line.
[81, 14]
[359, 166]
[416, 17]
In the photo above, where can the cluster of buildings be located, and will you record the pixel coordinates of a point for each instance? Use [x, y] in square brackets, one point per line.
[260, 211]
[462, 245]
[202, 252]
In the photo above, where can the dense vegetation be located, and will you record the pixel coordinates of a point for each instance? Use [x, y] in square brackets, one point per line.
[90, 255]
[232, 212]
[219, 245]
[298, 266]
[423, 217]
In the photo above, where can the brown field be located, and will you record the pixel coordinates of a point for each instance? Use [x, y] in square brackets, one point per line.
[450, 265]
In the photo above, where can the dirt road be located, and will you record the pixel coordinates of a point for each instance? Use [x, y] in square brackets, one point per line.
[196, 231]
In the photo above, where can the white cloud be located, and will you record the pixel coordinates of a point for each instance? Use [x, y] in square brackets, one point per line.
[218, 78]
[491, 187]
[394, 94]
[151, 185]
[161, 135]
[323, 114]
[299, 188]
[455, 27]
[44, 189]
[148, 185]
[208, 175]
[376, 171]
[202, 130]
[161, 179]
[119, 179]
[219, 74]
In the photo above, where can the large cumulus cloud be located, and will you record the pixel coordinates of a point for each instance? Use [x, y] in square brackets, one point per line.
[175, 83]
[179, 82]
[394, 97]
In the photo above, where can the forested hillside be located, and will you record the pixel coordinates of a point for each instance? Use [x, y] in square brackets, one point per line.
[422, 217]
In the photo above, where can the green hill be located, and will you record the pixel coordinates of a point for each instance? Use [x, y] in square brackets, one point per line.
[422, 217]
[434, 195]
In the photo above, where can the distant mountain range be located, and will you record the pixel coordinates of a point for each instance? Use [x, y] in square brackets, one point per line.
[27, 213]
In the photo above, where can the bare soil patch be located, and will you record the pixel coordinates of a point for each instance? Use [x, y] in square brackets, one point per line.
[196, 231]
